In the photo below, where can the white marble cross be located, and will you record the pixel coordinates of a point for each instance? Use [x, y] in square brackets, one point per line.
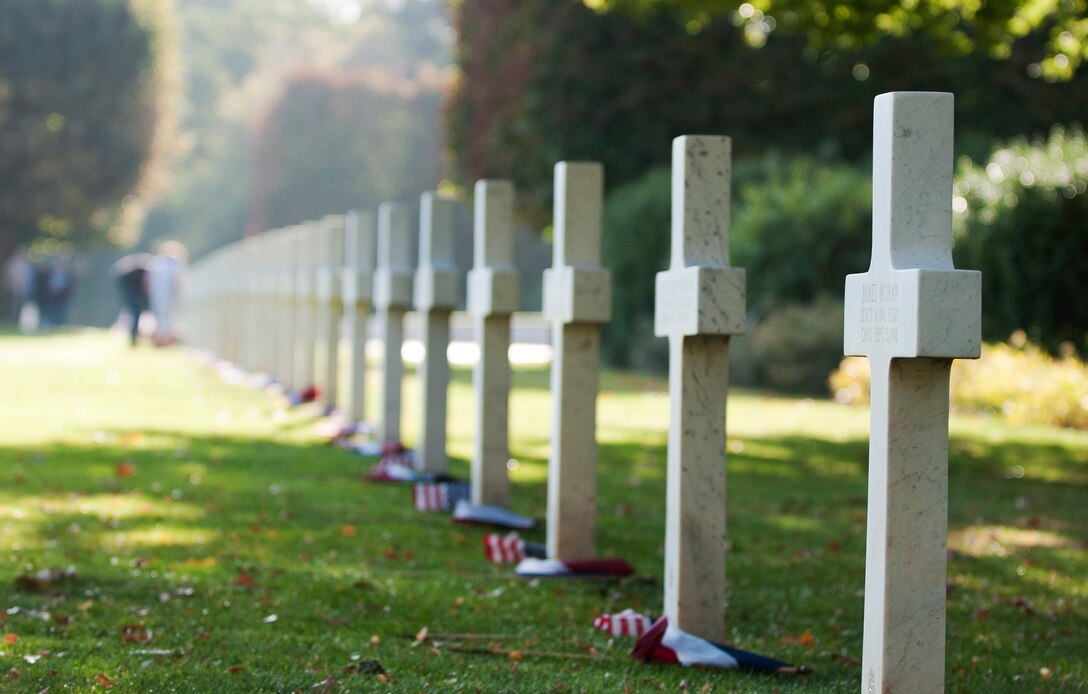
[286, 262]
[910, 314]
[357, 292]
[330, 257]
[577, 299]
[435, 299]
[305, 306]
[699, 304]
[392, 297]
[493, 294]
[266, 290]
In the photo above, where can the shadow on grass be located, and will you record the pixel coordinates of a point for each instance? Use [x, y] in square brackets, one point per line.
[156, 514]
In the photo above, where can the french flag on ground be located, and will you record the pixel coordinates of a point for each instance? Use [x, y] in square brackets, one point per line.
[501, 549]
[439, 496]
[626, 623]
[532, 567]
[395, 465]
[665, 643]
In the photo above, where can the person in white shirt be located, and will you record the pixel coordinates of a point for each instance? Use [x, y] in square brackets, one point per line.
[164, 279]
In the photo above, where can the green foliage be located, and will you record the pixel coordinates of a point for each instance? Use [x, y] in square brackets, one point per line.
[794, 348]
[1017, 381]
[542, 81]
[634, 247]
[79, 108]
[1022, 219]
[220, 546]
[959, 26]
[376, 141]
[799, 227]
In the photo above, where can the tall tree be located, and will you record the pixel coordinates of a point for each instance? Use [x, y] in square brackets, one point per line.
[960, 26]
[79, 108]
[544, 80]
[336, 141]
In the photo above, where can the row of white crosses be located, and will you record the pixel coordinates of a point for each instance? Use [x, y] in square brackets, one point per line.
[911, 314]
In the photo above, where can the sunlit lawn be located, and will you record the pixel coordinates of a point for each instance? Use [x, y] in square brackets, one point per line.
[219, 545]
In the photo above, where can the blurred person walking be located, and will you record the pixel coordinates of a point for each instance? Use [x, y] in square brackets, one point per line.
[164, 278]
[131, 275]
[19, 281]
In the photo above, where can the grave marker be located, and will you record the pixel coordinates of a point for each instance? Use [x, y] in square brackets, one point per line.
[392, 297]
[910, 314]
[305, 306]
[330, 253]
[435, 298]
[286, 262]
[577, 299]
[357, 289]
[266, 292]
[493, 294]
[699, 304]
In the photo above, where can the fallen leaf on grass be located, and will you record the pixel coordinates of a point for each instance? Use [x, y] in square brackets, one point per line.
[43, 579]
[102, 680]
[125, 470]
[806, 639]
[235, 669]
[245, 580]
[10, 638]
[347, 530]
[135, 633]
[390, 554]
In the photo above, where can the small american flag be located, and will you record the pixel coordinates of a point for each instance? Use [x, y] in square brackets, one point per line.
[626, 623]
[501, 549]
[439, 496]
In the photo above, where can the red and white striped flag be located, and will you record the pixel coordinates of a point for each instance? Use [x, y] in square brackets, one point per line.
[439, 496]
[501, 549]
[626, 623]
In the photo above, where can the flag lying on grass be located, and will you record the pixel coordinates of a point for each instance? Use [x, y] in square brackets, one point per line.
[665, 643]
[531, 567]
[395, 465]
[439, 496]
[303, 396]
[393, 470]
[501, 549]
[626, 623]
[465, 511]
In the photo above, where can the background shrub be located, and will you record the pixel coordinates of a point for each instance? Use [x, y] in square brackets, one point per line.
[799, 226]
[795, 347]
[1022, 219]
[635, 246]
[1016, 380]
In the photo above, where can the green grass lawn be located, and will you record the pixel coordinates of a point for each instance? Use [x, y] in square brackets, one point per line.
[219, 545]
